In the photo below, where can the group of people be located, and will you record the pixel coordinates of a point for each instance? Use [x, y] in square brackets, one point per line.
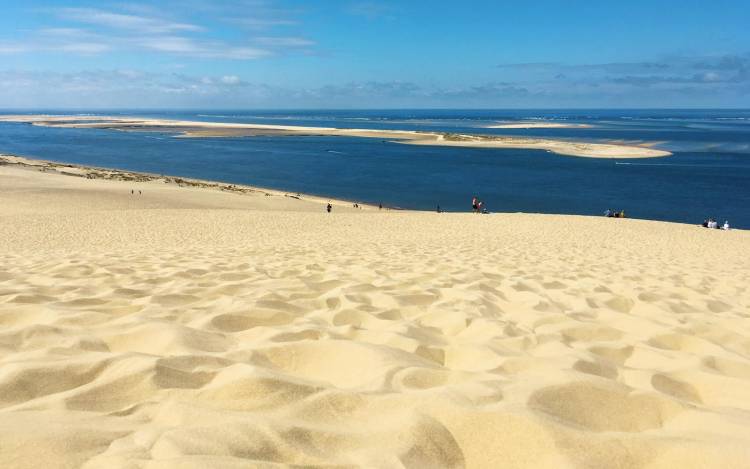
[609, 213]
[477, 206]
[711, 223]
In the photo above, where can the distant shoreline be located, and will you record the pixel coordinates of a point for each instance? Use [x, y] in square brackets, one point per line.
[195, 129]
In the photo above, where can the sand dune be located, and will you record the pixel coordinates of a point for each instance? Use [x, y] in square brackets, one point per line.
[192, 327]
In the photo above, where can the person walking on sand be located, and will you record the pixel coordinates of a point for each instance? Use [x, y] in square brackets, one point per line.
[328, 208]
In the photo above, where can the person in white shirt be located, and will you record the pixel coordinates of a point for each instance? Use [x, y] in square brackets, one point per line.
[725, 226]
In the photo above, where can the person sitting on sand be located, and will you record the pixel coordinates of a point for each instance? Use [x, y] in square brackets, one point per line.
[622, 213]
[328, 208]
[608, 213]
[725, 226]
[704, 224]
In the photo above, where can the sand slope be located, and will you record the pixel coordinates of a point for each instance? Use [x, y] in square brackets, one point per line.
[194, 328]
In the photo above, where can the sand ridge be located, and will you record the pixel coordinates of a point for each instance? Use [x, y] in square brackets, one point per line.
[196, 129]
[191, 327]
[538, 125]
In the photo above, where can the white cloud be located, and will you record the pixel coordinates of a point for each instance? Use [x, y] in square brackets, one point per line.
[230, 80]
[89, 31]
[122, 21]
[11, 48]
[262, 23]
[284, 41]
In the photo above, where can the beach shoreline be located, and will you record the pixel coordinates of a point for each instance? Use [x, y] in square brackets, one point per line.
[102, 173]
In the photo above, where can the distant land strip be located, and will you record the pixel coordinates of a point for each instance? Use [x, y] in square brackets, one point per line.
[221, 129]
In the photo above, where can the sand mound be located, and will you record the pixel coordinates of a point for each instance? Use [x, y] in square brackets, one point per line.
[192, 332]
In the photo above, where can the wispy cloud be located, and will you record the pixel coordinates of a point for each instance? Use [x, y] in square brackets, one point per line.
[281, 41]
[369, 9]
[121, 21]
[90, 31]
[203, 49]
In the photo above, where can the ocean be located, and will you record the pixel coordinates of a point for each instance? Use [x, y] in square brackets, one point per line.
[707, 176]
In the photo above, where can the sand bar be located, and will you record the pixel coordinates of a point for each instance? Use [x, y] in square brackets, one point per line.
[220, 129]
[194, 327]
[538, 125]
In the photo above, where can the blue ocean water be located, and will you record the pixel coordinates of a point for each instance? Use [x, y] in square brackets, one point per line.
[708, 175]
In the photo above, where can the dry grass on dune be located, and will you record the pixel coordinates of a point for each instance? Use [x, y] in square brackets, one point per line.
[215, 330]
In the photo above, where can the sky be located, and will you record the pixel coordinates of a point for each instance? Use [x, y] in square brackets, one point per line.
[340, 54]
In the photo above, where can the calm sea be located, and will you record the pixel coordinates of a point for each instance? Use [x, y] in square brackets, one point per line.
[708, 175]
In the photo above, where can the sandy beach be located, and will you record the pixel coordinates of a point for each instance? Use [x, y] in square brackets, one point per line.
[195, 326]
[226, 129]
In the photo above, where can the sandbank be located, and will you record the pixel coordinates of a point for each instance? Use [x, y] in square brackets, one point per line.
[538, 125]
[221, 129]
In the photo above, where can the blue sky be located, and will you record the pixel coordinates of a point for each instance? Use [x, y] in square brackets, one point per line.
[374, 54]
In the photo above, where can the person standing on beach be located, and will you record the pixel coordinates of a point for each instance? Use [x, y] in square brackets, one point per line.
[474, 204]
[328, 208]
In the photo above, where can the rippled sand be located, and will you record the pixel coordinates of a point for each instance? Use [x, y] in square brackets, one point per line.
[194, 328]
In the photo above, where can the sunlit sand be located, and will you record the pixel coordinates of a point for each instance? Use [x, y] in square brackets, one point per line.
[151, 322]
